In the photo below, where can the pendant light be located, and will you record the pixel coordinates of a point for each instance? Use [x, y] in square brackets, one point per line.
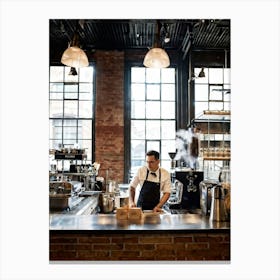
[73, 71]
[73, 56]
[201, 73]
[156, 57]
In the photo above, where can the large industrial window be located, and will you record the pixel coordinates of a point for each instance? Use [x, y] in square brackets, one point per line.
[213, 91]
[153, 116]
[71, 109]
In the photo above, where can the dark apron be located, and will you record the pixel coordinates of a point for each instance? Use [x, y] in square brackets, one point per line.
[150, 194]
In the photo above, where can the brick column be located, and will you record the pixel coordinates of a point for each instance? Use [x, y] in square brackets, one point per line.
[109, 124]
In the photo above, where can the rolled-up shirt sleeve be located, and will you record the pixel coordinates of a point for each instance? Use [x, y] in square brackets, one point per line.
[135, 181]
[165, 182]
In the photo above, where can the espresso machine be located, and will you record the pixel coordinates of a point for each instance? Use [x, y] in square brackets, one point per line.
[191, 194]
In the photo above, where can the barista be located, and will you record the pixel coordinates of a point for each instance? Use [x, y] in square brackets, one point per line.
[154, 184]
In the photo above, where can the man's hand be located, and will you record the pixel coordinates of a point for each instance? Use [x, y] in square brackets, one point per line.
[157, 209]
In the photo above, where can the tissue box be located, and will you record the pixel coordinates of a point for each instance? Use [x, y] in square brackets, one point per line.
[134, 213]
[122, 213]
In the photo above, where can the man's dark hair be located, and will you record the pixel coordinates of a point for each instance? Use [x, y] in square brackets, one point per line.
[153, 153]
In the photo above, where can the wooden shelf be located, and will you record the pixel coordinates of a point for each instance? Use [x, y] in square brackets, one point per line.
[216, 158]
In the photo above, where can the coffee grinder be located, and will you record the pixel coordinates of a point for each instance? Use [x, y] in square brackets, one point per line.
[172, 165]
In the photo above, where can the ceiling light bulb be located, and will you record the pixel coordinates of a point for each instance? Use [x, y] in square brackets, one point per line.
[166, 40]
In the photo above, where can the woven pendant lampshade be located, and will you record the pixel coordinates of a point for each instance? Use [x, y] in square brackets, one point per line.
[73, 56]
[156, 57]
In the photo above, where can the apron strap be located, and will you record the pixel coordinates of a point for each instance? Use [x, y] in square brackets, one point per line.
[148, 175]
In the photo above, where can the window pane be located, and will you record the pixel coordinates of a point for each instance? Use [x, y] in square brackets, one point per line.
[85, 129]
[168, 129]
[216, 106]
[200, 107]
[153, 145]
[153, 129]
[85, 109]
[153, 92]
[69, 122]
[152, 109]
[70, 132]
[71, 88]
[56, 109]
[86, 74]
[86, 144]
[168, 92]
[138, 109]
[137, 75]
[227, 106]
[165, 164]
[56, 95]
[56, 87]
[86, 96]
[201, 92]
[71, 95]
[153, 75]
[86, 87]
[168, 75]
[137, 129]
[167, 146]
[135, 164]
[168, 110]
[137, 149]
[227, 73]
[227, 94]
[70, 109]
[216, 93]
[56, 74]
[55, 144]
[138, 92]
[55, 129]
[216, 76]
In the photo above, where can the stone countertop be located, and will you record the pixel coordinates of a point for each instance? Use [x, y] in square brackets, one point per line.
[149, 223]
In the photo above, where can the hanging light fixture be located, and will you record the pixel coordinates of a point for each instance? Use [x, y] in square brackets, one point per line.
[156, 57]
[73, 56]
[73, 71]
[201, 73]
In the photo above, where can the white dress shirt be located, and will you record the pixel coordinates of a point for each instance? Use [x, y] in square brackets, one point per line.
[138, 180]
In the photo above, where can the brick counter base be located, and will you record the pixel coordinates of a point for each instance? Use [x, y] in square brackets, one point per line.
[144, 246]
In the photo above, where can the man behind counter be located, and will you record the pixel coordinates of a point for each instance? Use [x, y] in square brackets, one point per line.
[154, 182]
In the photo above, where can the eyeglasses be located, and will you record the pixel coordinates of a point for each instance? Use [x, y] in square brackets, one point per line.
[152, 161]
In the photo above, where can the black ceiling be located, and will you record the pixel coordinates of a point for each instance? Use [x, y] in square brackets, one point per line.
[121, 34]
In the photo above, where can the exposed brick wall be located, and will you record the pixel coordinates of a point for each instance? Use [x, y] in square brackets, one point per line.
[109, 124]
[118, 247]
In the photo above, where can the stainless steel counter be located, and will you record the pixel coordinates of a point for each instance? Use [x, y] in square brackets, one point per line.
[85, 206]
[155, 223]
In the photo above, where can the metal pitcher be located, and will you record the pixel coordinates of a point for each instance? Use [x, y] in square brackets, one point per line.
[218, 209]
[106, 202]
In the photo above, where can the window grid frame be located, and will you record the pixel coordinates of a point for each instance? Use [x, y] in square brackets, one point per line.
[160, 119]
[63, 118]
